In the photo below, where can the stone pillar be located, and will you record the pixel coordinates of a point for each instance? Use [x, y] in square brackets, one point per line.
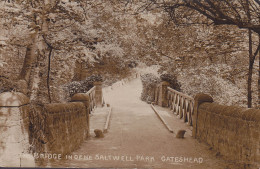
[98, 94]
[156, 93]
[84, 98]
[162, 101]
[198, 100]
[14, 129]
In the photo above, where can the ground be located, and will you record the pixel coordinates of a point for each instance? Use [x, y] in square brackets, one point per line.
[136, 138]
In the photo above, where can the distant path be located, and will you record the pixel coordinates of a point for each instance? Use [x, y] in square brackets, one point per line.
[138, 138]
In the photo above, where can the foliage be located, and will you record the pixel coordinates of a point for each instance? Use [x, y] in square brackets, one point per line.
[149, 82]
[6, 84]
[216, 80]
[172, 79]
[82, 86]
[104, 37]
[244, 14]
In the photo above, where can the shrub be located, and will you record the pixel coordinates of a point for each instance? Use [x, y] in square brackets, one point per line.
[6, 84]
[172, 79]
[82, 86]
[149, 82]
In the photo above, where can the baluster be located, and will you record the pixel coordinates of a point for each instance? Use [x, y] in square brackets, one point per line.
[181, 107]
[91, 100]
[191, 112]
[174, 103]
[186, 104]
[92, 104]
[94, 99]
[169, 98]
[178, 105]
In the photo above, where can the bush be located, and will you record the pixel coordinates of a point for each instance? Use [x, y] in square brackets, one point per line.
[172, 79]
[132, 64]
[82, 86]
[6, 84]
[149, 82]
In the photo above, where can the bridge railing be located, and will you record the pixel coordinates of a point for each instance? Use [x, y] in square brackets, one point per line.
[92, 98]
[230, 130]
[181, 104]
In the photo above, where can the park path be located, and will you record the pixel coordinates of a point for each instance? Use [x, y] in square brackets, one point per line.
[137, 139]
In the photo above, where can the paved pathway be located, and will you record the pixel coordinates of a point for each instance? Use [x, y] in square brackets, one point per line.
[137, 139]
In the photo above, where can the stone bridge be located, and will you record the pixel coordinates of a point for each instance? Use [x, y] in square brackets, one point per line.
[136, 134]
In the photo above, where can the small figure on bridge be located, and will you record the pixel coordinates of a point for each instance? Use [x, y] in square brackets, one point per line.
[180, 134]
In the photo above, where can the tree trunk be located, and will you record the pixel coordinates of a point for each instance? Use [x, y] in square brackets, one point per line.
[29, 60]
[250, 71]
[259, 73]
[39, 90]
[48, 76]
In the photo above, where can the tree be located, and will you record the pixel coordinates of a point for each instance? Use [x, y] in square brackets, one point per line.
[53, 27]
[64, 34]
[244, 14]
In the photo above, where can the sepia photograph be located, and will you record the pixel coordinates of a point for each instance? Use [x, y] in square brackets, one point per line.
[130, 84]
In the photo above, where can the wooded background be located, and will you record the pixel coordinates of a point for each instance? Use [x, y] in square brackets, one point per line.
[210, 46]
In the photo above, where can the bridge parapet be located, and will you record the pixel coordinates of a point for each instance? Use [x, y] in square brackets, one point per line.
[230, 130]
[66, 127]
[88, 99]
[60, 128]
[42, 129]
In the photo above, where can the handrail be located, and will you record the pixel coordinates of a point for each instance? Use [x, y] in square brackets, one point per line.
[181, 94]
[181, 104]
[91, 90]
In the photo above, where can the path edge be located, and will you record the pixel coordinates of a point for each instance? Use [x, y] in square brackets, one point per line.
[162, 119]
[107, 121]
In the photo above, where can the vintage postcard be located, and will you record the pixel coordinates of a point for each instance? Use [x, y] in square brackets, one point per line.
[158, 84]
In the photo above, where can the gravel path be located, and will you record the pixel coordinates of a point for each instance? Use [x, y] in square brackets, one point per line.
[136, 138]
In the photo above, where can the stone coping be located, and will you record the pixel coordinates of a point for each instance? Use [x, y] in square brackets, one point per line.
[232, 111]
